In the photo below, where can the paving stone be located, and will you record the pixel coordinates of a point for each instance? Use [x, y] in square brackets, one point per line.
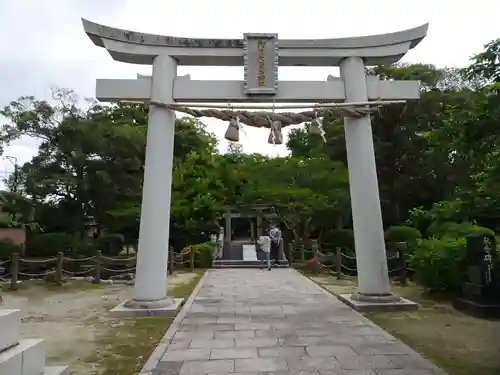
[257, 342]
[215, 327]
[167, 368]
[330, 351]
[309, 363]
[411, 361]
[217, 366]
[282, 351]
[211, 343]
[194, 335]
[252, 326]
[379, 348]
[185, 355]
[365, 362]
[402, 371]
[234, 334]
[250, 322]
[260, 364]
[234, 353]
[176, 345]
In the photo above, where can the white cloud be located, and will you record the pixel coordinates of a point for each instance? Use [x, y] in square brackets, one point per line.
[48, 46]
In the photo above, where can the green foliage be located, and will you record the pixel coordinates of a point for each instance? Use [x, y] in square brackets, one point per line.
[84, 249]
[439, 263]
[49, 244]
[452, 229]
[109, 244]
[437, 163]
[204, 253]
[7, 248]
[401, 233]
[343, 238]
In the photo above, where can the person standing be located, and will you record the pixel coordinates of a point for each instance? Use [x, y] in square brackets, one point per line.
[265, 249]
[275, 235]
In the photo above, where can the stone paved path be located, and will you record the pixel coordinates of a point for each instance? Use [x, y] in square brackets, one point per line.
[251, 321]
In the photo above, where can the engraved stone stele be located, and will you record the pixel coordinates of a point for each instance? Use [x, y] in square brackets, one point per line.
[260, 55]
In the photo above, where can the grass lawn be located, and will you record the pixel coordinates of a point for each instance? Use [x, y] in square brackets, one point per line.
[458, 343]
[128, 343]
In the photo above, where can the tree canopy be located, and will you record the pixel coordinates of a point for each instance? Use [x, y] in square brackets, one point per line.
[439, 151]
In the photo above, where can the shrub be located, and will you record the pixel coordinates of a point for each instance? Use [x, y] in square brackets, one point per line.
[110, 244]
[344, 238]
[84, 249]
[439, 263]
[452, 229]
[7, 248]
[49, 244]
[204, 253]
[402, 233]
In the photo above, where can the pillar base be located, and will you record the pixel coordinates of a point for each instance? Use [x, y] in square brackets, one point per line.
[385, 302]
[168, 307]
[375, 298]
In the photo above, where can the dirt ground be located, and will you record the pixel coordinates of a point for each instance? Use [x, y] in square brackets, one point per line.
[459, 343]
[71, 318]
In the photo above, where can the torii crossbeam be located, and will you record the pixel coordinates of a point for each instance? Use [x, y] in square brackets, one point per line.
[260, 54]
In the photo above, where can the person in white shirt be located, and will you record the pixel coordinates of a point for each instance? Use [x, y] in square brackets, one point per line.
[275, 236]
[265, 246]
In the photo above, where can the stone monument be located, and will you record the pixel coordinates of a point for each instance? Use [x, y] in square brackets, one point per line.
[481, 291]
[260, 54]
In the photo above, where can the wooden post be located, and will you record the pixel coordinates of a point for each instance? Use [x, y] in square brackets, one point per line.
[171, 260]
[290, 254]
[97, 260]
[302, 253]
[192, 254]
[314, 248]
[401, 252]
[14, 270]
[59, 268]
[338, 262]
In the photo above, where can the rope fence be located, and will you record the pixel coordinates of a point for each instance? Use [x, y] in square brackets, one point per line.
[96, 268]
[338, 263]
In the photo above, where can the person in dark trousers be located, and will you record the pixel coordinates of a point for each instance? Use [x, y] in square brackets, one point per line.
[275, 235]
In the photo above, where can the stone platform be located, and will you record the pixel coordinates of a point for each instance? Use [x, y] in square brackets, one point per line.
[250, 321]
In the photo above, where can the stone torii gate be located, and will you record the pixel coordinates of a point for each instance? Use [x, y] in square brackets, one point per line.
[260, 54]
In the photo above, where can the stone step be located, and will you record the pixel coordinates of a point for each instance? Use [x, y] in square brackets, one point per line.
[55, 370]
[26, 358]
[10, 324]
[245, 264]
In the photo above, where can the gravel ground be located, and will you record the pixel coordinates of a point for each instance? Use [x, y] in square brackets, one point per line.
[70, 318]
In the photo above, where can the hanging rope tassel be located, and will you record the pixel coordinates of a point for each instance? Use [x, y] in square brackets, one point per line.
[275, 134]
[316, 128]
[232, 132]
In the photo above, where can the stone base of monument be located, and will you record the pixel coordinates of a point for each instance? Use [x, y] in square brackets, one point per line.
[479, 310]
[365, 303]
[133, 309]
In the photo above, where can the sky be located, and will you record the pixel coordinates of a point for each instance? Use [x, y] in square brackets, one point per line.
[44, 44]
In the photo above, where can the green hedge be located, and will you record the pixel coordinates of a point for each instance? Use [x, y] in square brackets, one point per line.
[109, 244]
[7, 247]
[402, 233]
[439, 263]
[49, 244]
[204, 253]
[452, 229]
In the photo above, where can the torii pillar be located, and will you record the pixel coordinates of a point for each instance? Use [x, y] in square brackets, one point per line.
[260, 55]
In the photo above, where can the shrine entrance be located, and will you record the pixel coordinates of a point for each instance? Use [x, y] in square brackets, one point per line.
[352, 96]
